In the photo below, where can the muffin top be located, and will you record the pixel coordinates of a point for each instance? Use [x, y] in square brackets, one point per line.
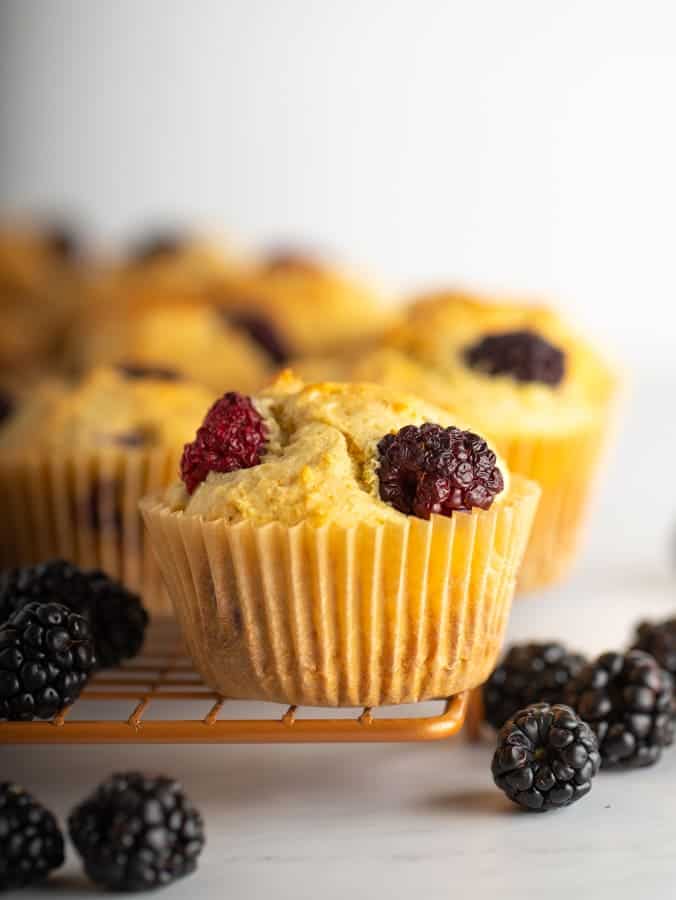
[194, 339]
[512, 367]
[329, 453]
[312, 307]
[129, 407]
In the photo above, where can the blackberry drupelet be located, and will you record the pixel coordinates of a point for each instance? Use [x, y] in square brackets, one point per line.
[529, 673]
[137, 832]
[231, 437]
[46, 658]
[659, 640]
[524, 355]
[546, 757]
[116, 616]
[31, 843]
[429, 469]
[627, 700]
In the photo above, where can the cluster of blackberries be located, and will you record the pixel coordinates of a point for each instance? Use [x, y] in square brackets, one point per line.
[134, 833]
[58, 624]
[560, 717]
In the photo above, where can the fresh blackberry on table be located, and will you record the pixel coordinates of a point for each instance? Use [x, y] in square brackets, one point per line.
[429, 469]
[529, 673]
[659, 640]
[627, 700]
[117, 617]
[46, 658]
[137, 832]
[525, 355]
[31, 843]
[546, 757]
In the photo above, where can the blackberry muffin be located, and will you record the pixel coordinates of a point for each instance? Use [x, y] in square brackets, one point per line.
[522, 376]
[75, 460]
[340, 545]
[310, 307]
[40, 289]
[198, 340]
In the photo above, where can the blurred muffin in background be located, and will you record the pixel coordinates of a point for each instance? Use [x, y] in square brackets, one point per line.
[311, 308]
[167, 264]
[41, 271]
[75, 459]
[197, 340]
[520, 374]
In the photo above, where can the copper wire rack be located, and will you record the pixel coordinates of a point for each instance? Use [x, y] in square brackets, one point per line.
[160, 698]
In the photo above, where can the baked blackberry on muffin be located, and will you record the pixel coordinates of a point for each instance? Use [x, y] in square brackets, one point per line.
[348, 545]
[310, 307]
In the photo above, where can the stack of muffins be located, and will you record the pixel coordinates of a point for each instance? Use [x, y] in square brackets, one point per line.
[353, 538]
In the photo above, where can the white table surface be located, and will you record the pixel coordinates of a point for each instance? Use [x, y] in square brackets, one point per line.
[396, 821]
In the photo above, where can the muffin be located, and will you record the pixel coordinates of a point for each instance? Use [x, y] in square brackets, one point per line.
[340, 545]
[75, 460]
[40, 287]
[199, 341]
[311, 308]
[541, 392]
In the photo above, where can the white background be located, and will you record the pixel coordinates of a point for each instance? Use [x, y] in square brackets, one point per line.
[529, 145]
[524, 145]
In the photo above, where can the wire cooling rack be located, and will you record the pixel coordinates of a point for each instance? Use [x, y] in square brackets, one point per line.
[159, 698]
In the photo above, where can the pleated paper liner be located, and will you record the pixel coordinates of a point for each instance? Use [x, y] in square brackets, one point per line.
[83, 507]
[565, 466]
[332, 616]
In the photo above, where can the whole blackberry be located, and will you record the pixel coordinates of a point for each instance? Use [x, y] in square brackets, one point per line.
[529, 673]
[429, 469]
[136, 833]
[116, 616]
[231, 437]
[659, 640]
[261, 331]
[546, 757]
[627, 700]
[524, 355]
[31, 843]
[46, 657]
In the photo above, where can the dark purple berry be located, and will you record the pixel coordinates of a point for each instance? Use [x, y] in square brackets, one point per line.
[137, 833]
[231, 437]
[429, 469]
[627, 700]
[524, 355]
[161, 245]
[545, 758]
[6, 405]
[261, 331]
[529, 673]
[139, 370]
[31, 843]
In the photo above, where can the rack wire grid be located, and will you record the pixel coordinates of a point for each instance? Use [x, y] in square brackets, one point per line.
[131, 705]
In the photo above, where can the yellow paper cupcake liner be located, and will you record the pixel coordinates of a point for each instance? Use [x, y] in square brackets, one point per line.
[333, 616]
[565, 467]
[83, 507]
